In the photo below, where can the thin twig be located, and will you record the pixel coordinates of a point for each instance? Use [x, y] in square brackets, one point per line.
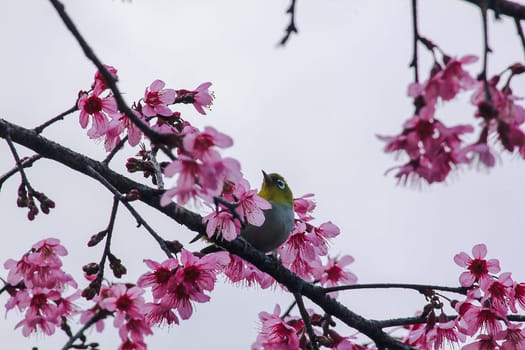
[114, 151]
[291, 28]
[97, 317]
[136, 215]
[414, 63]
[307, 322]
[520, 32]
[419, 287]
[109, 235]
[26, 163]
[61, 116]
[290, 308]
[483, 7]
[503, 7]
[19, 164]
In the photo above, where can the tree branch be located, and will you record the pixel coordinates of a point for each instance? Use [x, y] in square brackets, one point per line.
[193, 222]
[291, 28]
[422, 288]
[503, 7]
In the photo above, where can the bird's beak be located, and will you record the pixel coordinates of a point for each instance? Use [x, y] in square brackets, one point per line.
[267, 177]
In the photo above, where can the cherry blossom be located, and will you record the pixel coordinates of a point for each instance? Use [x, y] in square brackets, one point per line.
[99, 85]
[200, 144]
[223, 224]
[99, 109]
[275, 333]
[303, 206]
[334, 273]
[478, 267]
[200, 97]
[156, 99]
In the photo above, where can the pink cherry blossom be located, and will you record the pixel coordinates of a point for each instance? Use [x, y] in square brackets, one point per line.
[250, 205]
[99, 109]
[112, 135]
[321, 235]
[129, 344]
[200, 144]
[200, 97]
[298, 253]
[243, 272]
[478, 151]
[41, 267]
[99, 85]
[133, 132]
[432, 147]
[156, 99]
[176, 284]
[159, 314]
[203, 97]
[517, 295]
[158, 279]
[478, 267]
[334, 273]
[435, 335]
[501, 114]
[200, 273]
[484, 319]
[513, 337]
[223, 224]
[126, 301]
[498, 291]
[275, 334]
[485, 342]
[35, 324]
[135, 328]
[200, 179]
[303, 206]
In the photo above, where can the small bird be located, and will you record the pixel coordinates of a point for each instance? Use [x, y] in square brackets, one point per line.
[278, 221]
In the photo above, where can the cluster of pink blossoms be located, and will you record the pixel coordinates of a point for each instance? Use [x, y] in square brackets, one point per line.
[483, 313]
[36, 285]
[432, 148]
[307, 243]
[284, 332]
[111, 125]
[201, 172]
[176, 284]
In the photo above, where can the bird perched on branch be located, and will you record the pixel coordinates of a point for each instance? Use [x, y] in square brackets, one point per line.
[278, 221]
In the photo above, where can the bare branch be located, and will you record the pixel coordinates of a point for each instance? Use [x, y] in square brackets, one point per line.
[291, 28]
[61, 116]
[307, 321]
[422, 288]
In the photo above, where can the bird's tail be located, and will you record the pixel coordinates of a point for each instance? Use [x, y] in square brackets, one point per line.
[211, 249]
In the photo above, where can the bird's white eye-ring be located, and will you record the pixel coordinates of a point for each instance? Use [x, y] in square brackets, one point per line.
[280, 184]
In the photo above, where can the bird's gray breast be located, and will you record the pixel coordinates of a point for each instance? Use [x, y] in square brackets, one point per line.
[274, 231]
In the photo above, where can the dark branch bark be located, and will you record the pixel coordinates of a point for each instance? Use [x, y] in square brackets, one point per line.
[503, 7]
[76, 161]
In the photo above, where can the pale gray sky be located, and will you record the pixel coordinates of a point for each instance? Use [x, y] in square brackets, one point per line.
[310, 111]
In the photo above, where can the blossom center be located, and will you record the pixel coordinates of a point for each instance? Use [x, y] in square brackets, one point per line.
[162, 276]
[478, 267]
[124, 302]
[191, 274]
[93, 105]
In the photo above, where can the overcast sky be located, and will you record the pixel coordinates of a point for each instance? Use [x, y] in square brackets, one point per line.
[309, 111]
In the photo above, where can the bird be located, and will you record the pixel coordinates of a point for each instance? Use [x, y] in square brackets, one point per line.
[278, 220]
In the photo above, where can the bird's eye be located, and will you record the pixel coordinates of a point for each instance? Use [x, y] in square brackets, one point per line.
[280, 184]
